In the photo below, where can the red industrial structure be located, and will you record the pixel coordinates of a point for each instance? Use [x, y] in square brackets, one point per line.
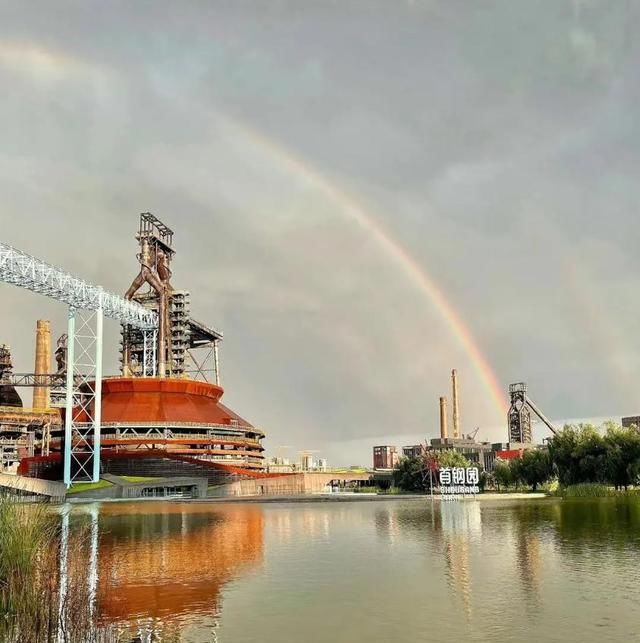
[182, 416]
[163, 414]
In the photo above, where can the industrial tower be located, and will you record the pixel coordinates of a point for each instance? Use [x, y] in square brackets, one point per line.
[519, 415]
[183, 346]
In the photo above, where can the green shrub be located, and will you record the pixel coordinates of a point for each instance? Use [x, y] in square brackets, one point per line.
[587, 490]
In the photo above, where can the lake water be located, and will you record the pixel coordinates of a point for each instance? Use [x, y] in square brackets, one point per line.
[375, 571]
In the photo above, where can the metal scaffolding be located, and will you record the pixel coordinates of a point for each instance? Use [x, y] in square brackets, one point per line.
[202, 353]
[88, 305]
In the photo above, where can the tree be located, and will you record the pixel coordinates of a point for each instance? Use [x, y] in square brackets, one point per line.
[579, 454]
[408, 474]
[502, 474]
[583, 454]
[515, 465]
[535, 467]
[412, 474]
[622, 455]
[451, 459]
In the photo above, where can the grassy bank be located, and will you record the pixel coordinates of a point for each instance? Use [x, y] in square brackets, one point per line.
[596, 490]
[389, 491]
[138, 478]
[78, 487]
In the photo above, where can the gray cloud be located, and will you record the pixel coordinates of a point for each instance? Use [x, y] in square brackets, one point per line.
[496, 142]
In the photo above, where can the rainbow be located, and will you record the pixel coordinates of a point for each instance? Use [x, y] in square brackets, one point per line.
[34, 58]
[351, 208]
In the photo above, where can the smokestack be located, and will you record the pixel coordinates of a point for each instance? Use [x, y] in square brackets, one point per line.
[43, 361]
[443, 418]
[456, 410]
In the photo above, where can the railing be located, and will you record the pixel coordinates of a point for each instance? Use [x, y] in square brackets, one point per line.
[198, 436]
[238, 428]
[195, 437]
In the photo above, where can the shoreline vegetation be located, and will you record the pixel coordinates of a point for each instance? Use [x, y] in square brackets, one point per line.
[585, 490]
[580, 461]
[33, 607]
[597, 490]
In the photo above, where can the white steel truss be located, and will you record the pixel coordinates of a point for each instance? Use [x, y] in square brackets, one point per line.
[88, 305]
[149, 353]
[21, 269]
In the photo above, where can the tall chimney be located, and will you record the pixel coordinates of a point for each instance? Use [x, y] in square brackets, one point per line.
[443, 418]
[43, 361]
[456, 410]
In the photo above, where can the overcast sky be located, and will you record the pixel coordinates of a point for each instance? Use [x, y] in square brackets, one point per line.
[494, 143]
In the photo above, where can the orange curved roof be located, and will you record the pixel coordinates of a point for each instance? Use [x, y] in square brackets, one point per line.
[150, 399]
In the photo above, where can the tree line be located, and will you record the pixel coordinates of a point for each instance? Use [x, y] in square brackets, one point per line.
[577, 454]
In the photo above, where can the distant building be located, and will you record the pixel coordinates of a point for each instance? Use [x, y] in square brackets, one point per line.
[307, 462]
[280, 465]
[413, 451]
[476, 452]
[282, 468]
[633, 420]
[385, 457]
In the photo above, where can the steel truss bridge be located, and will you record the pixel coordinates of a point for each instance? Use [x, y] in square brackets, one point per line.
[88, 305]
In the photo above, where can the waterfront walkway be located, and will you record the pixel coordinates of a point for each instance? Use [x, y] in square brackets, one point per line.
[33, 486]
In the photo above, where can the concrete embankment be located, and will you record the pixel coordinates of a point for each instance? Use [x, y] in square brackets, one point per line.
[371, 497]
[329, 497]
[343, 497]
[33, 486]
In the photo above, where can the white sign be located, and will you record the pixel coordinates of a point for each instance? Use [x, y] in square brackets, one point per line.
[458, 480]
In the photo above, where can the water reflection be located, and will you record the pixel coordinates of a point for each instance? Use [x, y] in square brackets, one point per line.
[499, 570]
[161, 562]
[459, 523]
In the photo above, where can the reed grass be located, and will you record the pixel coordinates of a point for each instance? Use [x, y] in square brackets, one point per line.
[32, 608]
[596, 490]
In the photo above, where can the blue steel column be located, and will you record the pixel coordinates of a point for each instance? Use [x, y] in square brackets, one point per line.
[68, 417]
[97, 395]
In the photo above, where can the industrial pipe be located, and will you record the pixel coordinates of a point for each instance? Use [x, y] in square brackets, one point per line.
[541, 415]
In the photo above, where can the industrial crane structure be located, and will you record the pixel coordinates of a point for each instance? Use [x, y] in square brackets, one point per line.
[519, 415]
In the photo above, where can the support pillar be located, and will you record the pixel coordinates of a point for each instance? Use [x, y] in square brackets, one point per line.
[84, 395]
[216, 361]
[149, 352]
[68, 416]
[97, 396]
